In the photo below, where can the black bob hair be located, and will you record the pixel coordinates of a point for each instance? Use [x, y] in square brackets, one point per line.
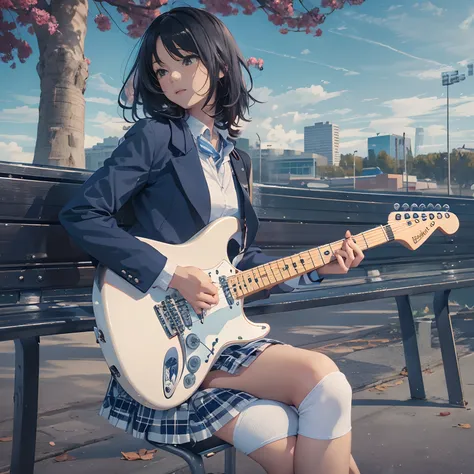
[199, 32]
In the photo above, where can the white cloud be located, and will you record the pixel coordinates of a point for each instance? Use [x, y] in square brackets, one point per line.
[354, 133]
[305, 51]
[19, 138]
[466, 24]
[98, 82]
[356, 118]
[109, 124]
[341, 28]
[341, 111]
[90, 141]
[27, 99]
[22, 114]
[427, 74]
[394, 7]
[386, 46]
[12, 152]
[300, 117]
[370, 100]
[352, 145]
[289, 56]
[325, 82]
[100, 100]
[279, 138]
[429, 7]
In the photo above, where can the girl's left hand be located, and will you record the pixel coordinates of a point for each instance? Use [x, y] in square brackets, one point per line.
[349, 256]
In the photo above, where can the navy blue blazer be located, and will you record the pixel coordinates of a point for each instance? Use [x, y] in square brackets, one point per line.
[157, 167]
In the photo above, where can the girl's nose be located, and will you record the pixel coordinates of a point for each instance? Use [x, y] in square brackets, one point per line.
[175, 76]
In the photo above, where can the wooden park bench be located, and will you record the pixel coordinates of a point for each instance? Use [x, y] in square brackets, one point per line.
[45, 280]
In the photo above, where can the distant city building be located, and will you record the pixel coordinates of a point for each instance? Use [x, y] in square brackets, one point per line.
[279, 165]
[243, 144]
[96, 155]
[419, 140]
[390, 144]
[322, 138]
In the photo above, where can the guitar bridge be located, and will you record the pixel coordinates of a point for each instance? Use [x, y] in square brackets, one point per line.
[225, 286]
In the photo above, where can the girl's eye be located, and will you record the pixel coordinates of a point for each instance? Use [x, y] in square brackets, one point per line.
[160, 73]
[187, 61]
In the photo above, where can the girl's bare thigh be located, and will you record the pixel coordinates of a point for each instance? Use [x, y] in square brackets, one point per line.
[281, 372]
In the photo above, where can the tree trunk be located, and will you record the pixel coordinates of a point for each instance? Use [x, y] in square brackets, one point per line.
[63, 72]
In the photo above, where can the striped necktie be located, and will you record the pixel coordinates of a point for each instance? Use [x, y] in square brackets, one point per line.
[205, 147]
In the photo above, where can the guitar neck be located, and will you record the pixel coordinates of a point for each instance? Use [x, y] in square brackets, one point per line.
[265, 276]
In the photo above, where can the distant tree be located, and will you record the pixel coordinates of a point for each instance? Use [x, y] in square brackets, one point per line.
[60, 28]
[347, 164]
[386, 163]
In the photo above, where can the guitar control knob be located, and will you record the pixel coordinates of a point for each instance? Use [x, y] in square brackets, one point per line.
[405, 206]
[193, 341]
[422, 207]
[396, 206]
[414, 207]
[189, 380]
[438, 207]
[446, 207]
[430, 207]
[194, 363]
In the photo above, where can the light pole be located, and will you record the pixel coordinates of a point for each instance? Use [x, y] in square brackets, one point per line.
[448, 79]
[260, 158]
[354, 160]
[405, 162]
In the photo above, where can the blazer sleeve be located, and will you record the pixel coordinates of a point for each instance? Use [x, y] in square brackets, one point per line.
[89, 216]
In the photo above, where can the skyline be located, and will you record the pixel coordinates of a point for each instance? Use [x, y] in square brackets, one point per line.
[376, 69]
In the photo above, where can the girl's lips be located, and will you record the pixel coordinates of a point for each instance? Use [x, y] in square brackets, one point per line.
[180, 90]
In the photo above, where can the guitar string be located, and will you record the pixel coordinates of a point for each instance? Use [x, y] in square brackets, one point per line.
[368, 239]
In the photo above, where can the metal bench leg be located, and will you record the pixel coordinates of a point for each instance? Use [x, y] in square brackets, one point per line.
[194, 461]
[410, 347]
[230, 461]
[25, 399]
[448, 347]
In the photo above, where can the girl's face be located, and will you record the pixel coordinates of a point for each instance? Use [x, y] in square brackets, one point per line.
[184, 81]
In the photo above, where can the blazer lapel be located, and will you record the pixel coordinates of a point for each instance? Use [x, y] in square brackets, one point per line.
[189, 170]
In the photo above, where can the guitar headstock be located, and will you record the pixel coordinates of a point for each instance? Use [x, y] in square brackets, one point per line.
[413, 225]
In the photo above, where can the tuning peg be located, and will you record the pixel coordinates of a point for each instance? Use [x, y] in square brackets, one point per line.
[396, 206]
[446, 207]
[422, 207]
[405, 207]
[430, 207]
[414, 207]
[438, 207]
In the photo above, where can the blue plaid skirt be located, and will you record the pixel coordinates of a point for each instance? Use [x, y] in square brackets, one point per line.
[205, 412]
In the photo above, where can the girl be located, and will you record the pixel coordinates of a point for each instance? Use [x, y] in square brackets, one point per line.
[287, 408]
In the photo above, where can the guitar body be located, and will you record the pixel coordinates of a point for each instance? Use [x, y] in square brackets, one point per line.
[159, 349]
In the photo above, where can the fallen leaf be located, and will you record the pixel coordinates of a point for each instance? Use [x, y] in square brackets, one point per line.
[131, 456]
[444, 413]
[52, 443]
[64, 457]
[142, 452]
[146, 457]
[151, 451]
[465, 426]
[6, 439]
[404, 372]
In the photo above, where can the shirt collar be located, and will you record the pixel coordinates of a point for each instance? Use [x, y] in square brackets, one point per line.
[198, 128]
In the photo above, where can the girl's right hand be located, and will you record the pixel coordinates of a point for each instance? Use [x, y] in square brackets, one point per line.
[196, 287]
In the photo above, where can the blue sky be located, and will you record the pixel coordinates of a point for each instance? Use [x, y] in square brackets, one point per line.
[376, 69]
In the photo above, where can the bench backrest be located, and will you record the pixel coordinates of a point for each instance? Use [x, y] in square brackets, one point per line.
[37, 255]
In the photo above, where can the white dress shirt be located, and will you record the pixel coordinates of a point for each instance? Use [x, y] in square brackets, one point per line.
[224, 198]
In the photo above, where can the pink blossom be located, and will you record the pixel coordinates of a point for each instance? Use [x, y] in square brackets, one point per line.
[103, 22]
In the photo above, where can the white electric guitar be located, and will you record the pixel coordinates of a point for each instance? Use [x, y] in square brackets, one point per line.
[160, 350]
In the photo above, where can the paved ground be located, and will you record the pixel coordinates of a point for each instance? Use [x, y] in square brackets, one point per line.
[392, 434]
